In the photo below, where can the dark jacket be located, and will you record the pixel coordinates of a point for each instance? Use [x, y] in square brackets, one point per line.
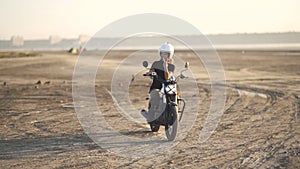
[158, 67]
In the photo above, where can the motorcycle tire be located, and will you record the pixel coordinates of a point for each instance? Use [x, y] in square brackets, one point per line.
[172, 124]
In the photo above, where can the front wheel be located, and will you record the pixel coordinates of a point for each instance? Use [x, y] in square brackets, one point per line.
[171, 123]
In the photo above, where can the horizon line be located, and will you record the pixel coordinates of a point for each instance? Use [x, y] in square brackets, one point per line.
[210, 34]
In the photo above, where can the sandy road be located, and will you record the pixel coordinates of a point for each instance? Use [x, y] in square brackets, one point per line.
[259, 129]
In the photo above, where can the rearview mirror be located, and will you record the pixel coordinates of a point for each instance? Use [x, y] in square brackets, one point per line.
[145, 64]
[187, 65]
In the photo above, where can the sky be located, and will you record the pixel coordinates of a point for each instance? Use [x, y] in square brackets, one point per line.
[37, 19]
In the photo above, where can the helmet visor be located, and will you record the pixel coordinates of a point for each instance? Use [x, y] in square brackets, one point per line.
[165, 54]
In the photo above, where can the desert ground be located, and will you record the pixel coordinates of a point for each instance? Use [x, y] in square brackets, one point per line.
[260, 127]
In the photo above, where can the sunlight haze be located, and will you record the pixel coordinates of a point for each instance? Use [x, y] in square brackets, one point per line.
[68, 19]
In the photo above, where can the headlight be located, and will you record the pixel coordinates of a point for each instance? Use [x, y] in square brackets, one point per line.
[171, 89]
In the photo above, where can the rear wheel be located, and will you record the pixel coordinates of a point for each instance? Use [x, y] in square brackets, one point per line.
[171, 123]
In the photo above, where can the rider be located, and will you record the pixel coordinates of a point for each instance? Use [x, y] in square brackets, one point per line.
[164, 68]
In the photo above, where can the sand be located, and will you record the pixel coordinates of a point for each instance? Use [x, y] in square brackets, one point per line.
[260, 127]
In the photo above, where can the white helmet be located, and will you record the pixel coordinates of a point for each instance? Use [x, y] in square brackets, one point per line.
[167, 47]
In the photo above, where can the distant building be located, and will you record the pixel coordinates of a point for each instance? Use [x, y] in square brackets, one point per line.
[53, 39]
[17, 40]
[83, 38]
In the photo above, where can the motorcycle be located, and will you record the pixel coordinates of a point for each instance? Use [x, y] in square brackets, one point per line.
[172, 102]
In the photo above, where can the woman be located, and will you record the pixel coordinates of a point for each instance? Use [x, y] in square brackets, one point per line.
[164, 69]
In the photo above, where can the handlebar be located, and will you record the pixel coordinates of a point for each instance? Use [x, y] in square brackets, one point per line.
[153, 74]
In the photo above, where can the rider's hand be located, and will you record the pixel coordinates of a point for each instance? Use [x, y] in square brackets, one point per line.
[165, 64]
[149, 72]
